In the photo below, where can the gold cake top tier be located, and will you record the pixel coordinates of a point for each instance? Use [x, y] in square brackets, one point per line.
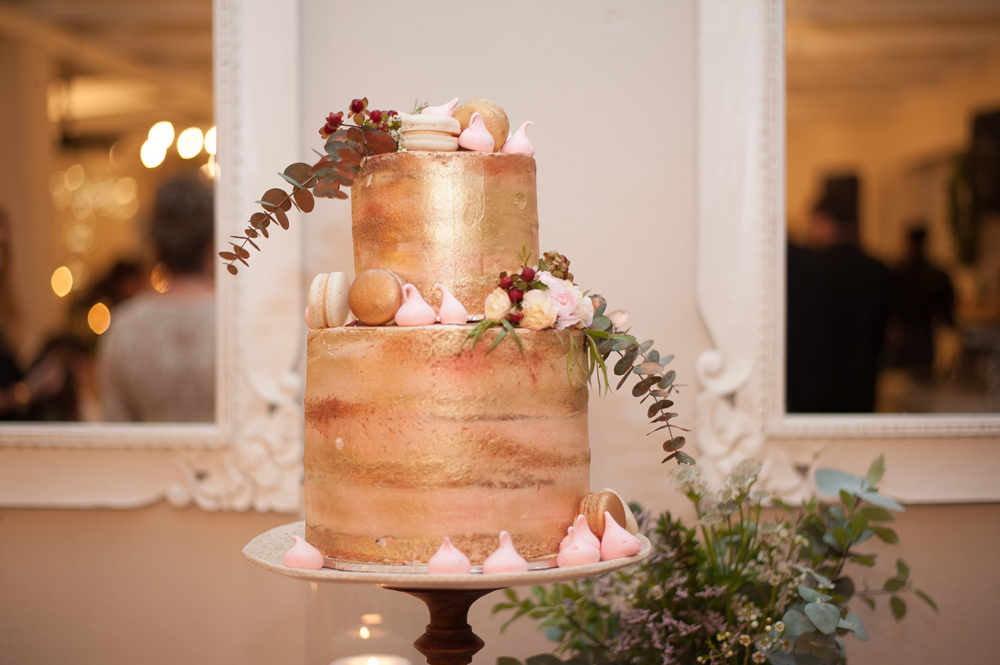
[452, 218]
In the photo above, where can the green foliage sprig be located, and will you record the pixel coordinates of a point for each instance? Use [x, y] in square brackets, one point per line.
[338, 166]
[749, 590]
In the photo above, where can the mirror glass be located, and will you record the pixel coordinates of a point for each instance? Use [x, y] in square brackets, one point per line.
[893, 206]
[107, 300]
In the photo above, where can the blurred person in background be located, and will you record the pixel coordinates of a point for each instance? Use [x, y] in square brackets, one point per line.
[839, 301]
[156, 363]
[924, 300]
[21, 391]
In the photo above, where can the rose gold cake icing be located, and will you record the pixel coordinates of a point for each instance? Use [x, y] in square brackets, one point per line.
[454, 218]
[408, 440]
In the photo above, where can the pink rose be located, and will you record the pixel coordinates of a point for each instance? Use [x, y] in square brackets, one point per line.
[564, 296]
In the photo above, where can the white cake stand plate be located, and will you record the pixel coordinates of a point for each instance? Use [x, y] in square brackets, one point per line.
[268, 549]
[449, 639]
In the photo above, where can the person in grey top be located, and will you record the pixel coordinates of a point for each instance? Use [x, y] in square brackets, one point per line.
[156, 362]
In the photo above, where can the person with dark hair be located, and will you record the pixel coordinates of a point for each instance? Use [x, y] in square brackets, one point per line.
[839, 300]
[924, 299]
[157, 360]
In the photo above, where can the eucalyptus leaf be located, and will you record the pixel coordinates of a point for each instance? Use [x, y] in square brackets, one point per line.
[876, 514]
[601, 323]
[902, 568]
[881, 500]
[544, 659]
[830, 481]
[853, 623]
[927, 599]
[807, 594]
[886, 535]
[667, 379]
[824, 615]
[898, 607]
[797, 623]
[875, 471]
[894, 584]
[600, 304]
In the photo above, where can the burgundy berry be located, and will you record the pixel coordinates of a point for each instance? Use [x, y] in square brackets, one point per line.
[376, 116]
[515, 316]
[516, 295]
[391, 113]
[506, 282]
[527, 274]
[357, 106]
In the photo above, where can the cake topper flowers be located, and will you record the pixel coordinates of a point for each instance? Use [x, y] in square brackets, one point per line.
[542, 295]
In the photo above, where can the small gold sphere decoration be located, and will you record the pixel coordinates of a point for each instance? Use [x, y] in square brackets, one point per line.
[494, 117]
[375, 296]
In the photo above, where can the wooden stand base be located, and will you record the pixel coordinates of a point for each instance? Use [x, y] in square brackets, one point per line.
[448, 639]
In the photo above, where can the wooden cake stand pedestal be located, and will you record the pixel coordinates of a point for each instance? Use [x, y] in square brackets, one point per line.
[448, 639]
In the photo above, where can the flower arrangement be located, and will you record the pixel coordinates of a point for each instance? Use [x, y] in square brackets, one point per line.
[542, 295]
[752, 589]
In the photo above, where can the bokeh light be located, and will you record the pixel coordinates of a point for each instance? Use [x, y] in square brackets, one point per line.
[160, 277]
[152, 154]
[62, 281]
[210, 141]
[189, 143]
[74, 177]
[364, 633]
[162, 133]
[99, 318]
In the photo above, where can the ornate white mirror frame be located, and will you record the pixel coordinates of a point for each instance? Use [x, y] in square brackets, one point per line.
[251, 457]
[740, 291]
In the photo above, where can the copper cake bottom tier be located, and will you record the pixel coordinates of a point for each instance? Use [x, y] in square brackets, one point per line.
[410, 438]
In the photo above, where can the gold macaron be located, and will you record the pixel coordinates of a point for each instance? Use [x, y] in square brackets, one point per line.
[493, 116]
[594, 505]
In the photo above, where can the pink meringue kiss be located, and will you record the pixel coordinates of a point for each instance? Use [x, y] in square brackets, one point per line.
[577, 552]
[476, 137]
[302, 555]
[448, 560]
[444, 109]
[451, 312]
[583, 530]
[308, 322]
[519, 144]
[414, 311]
[505, 558]
[617, 543]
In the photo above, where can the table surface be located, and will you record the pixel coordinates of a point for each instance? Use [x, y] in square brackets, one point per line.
[268, 549]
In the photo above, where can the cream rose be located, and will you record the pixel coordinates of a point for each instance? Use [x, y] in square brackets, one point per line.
[539, 312]
[497, 305]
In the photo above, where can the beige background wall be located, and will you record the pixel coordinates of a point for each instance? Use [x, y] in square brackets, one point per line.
[610, 87]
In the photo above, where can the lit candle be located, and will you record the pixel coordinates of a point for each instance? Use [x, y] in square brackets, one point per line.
[372, 659]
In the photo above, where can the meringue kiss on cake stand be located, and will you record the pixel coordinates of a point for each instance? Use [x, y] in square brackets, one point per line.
[448, 639]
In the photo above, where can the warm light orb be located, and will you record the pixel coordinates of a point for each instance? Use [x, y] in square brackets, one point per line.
[99, 318]
[189, 143]
[373, 661]
[160, 278]
[152, 154]
[371, 619]
[162, 133]
[62, 281]
[73, 177]
[210, 141]
[364, 633]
